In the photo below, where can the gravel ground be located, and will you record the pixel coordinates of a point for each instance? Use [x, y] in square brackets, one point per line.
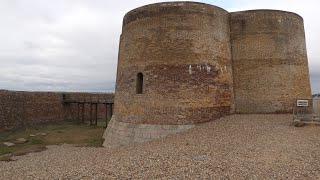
[233, 147]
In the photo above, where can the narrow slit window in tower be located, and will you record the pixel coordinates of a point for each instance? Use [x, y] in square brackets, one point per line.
[139, 87]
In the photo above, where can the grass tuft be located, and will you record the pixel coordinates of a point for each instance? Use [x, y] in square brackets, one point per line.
[59, 133]
[36, 141]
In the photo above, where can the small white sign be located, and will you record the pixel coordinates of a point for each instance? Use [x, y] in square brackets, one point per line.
[302, 103]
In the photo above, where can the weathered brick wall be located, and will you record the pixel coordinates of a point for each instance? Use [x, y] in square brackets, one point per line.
[199, 63]
[20, 109]
[270, 65]
[183, 50]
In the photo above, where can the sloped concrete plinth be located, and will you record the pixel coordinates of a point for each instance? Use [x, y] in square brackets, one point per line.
[119, 133]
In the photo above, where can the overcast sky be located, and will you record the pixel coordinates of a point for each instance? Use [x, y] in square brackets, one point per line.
[67, 45]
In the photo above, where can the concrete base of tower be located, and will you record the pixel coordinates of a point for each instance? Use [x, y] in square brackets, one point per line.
[119, 133]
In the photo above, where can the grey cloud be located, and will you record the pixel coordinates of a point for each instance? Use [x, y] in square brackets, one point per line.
[314, 69]
[315, 79]
[60, 45]
[73, 45]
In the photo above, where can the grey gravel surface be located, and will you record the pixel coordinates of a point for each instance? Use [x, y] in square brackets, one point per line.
[233, 147]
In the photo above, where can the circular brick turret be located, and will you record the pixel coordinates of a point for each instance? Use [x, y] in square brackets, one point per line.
[182, 50]
[184, 63]
[270, 64]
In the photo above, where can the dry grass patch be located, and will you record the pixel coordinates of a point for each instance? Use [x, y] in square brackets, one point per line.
[49, 134]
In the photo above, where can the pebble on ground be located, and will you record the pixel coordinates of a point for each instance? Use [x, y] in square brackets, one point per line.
[233, 147]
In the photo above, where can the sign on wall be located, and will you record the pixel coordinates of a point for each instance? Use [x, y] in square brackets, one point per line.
[302, 103]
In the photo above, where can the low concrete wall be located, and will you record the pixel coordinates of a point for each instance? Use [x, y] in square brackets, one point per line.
[119, 133]
[22, 108]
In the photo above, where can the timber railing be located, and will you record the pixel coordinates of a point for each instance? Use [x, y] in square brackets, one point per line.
[93, 104]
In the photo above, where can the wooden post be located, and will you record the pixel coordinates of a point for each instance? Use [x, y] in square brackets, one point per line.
[106, 114]
[78, 113]
[83, 112]
[111, 110]
[96, 123]
[91, 113]
[93, 102]
[83, 103]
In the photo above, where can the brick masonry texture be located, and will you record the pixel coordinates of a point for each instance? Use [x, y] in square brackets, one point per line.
[270, 65]
[21, 109]
[183, 51]
[200, 62]
[119, 133]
